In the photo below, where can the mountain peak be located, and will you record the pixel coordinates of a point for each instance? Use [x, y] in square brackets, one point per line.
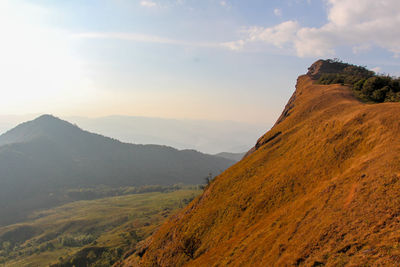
[335, 66]
[50, 119]
[43, 126]
[322, 66]
[46, 117]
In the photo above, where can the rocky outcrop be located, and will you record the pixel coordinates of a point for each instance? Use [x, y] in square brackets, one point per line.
[325, 66]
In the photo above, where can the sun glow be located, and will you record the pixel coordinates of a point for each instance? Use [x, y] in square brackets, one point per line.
[38, 68]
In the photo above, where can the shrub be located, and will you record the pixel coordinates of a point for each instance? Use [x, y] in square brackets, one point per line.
[359, 84]
[395, 85]
[76, 240]
[368, 85]
[379, 95]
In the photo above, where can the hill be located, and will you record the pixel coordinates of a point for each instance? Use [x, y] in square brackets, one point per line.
[321, 188]
[41, 157]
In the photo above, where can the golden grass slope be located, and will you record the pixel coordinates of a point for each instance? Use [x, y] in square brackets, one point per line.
[320, 188]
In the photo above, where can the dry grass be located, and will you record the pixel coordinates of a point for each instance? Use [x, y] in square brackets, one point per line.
[325, 191]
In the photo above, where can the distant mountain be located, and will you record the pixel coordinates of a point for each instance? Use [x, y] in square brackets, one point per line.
[203, 135]
[232, 156]
[46, 154]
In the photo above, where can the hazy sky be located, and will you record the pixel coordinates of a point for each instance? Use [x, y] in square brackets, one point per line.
[210, 59]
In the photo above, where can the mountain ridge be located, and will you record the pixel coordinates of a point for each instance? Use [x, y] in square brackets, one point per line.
[39, 127]
[320, 188]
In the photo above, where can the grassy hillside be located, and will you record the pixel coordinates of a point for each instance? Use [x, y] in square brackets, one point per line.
[95, 232]
[321, 188]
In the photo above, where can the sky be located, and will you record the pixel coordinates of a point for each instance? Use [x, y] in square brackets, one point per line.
[207, 59]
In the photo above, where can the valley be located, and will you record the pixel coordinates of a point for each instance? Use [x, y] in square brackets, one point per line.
[89, 232]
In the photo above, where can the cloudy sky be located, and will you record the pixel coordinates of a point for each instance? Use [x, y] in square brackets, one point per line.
[209, 59]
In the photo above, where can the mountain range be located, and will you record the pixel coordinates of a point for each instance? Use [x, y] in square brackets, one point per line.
[47, 154]
[206, 136]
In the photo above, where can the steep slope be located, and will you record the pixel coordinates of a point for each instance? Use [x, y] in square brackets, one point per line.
[320, 188]
[47, 154]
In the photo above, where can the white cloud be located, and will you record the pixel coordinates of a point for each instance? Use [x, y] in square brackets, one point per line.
[235, 45]
[377, 69]
[278, 12]
[278, 35]
[146, 38]
[225, 4]
[147, 3]
[358, 23]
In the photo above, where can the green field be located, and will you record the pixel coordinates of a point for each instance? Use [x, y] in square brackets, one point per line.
[88, 233]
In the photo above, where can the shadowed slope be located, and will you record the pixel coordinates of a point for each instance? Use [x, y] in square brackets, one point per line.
[41, 158]
[320, 188]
